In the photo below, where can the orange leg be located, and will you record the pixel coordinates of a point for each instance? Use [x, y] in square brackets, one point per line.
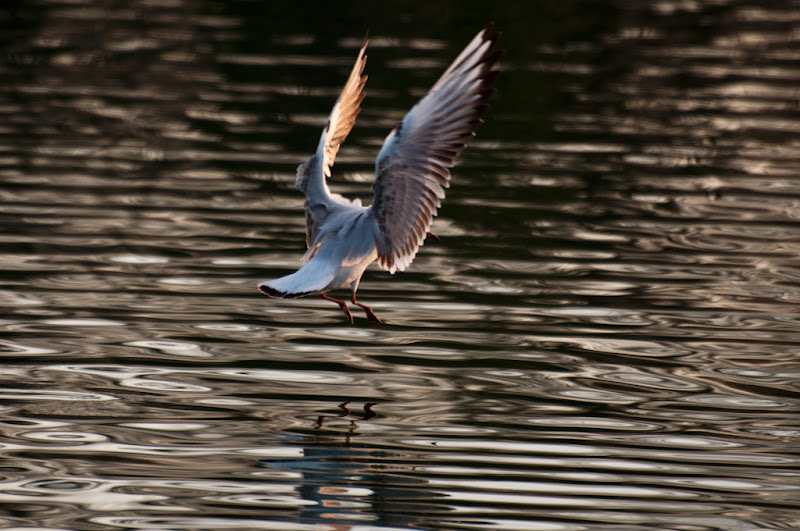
[370, 314]
[342, 304]
[432, 236]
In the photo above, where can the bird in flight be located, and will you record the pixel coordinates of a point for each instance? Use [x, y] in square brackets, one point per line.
[412, 172]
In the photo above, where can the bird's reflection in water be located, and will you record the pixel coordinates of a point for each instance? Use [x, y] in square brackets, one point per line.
[368, 414]
[337, 482]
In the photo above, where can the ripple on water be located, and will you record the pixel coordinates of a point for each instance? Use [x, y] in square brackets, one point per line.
[173, 348]
[91, 495]
[193, 522]
[52, 394]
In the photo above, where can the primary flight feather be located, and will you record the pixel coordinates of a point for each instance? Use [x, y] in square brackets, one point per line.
[412, 172]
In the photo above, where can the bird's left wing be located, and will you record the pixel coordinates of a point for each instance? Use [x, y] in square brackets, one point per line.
[413, 166]
[339, 124]
[312, 174]
[344, 113]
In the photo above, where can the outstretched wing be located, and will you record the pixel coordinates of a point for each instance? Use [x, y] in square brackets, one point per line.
[311, 175]
[340, 122]
[413, 166]
[344, 113]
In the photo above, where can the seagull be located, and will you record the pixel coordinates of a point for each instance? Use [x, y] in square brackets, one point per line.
[412, 172]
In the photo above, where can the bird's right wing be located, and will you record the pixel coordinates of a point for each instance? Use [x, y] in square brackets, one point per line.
[413, 166]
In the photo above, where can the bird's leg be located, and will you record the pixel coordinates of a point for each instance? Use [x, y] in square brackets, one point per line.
[342, 304]
[370, 314]
[431, 236]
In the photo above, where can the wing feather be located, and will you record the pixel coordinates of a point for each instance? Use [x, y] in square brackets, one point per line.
[344, 112]
[312, 174]
[339, 124]
[413, 166]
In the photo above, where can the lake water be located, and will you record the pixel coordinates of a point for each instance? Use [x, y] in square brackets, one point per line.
[606, 337]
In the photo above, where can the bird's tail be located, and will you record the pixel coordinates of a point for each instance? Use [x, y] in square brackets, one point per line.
[311, 278]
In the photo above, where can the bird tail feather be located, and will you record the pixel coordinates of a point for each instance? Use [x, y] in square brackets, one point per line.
[313, 277]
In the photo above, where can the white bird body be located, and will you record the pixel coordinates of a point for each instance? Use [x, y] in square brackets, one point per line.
[342, 250]
[412, 172]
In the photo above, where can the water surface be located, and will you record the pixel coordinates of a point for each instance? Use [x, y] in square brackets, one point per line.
[605, 337]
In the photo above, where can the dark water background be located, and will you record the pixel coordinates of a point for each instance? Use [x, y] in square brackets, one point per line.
[605, 338]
